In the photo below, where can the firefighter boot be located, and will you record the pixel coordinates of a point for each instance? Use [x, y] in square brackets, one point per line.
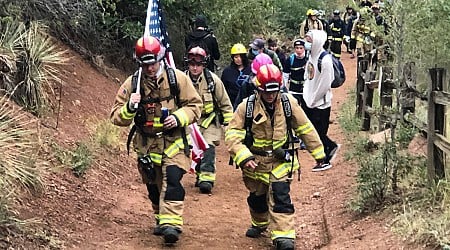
[284, 244]
[171, 235]
[254, 231]
[206, 171]
[157, 230]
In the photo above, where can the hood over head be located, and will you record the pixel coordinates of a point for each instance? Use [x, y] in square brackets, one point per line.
[319, 37]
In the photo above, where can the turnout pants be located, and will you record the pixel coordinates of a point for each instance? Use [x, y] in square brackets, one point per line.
[271, 204]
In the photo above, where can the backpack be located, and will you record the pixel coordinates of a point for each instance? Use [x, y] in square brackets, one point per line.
[339, 71]
[212, 90]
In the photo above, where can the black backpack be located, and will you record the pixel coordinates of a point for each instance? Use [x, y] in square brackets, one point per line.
[339, 71]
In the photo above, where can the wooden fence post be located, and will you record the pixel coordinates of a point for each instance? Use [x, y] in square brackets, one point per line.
[435, 125]
[363, 64]
[386, 92]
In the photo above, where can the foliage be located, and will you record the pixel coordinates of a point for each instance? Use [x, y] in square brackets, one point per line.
[36, 57]
[18, 168]
[106, 134]
[78, 159]
[425, 211]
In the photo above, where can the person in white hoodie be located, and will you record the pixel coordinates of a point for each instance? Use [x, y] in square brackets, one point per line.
[317, 93]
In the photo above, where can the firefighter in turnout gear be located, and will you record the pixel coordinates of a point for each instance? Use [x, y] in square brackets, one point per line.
[310, 23]
[259, 138]
[163, 106]
[336, 33]
[217, 111]
[362, 35]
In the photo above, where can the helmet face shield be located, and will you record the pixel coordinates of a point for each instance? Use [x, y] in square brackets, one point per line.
[148, 50]
[268, 78]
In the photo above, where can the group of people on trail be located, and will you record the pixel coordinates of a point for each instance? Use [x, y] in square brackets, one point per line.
[266, 104]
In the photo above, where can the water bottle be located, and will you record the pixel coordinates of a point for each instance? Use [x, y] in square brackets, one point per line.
[164, 114]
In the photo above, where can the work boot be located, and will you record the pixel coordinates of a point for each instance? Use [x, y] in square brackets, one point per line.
[284, 244]
[171, 235]
[254, 231]
[205, 187]
[158, 231]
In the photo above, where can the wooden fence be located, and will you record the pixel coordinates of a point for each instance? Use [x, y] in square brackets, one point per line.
[438, 146]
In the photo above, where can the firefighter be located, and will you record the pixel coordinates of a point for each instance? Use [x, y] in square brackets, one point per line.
[362, 35]
[263, 153]
[336, 33]
[217, 112]
[160, 111]
[310, 23]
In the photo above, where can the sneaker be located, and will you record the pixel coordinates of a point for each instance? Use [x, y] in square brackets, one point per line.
[333, 153]
[205, 187]
[254, 231]
[284, 244]
[171, 235]
[321, 167]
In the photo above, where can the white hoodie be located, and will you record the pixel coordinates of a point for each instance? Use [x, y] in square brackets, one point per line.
[317, 87]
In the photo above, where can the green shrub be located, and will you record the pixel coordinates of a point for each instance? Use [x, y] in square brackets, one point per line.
[81, 159]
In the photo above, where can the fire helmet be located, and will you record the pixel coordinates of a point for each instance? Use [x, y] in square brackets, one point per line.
[268, 78]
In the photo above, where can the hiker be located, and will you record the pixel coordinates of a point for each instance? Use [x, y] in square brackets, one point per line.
[317, 93]
[310, 23]
[237, 73]
[257, 47]
[248, 87]
[259, 140]
[161, 108]
[204, 37]
[294, 71]
[336, 33]
[217, 112]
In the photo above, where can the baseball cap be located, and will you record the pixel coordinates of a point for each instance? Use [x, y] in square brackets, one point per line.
[258, 43]
[299, 42]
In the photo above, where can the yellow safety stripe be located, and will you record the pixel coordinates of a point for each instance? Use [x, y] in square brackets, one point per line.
[170, 219]
[330, 37]
[175, 147]
[124, 114]
[208, 107]
[278, 144]
[336, 29]
[284, 168]
[338, 39]
[290, 234]
[182, 117]
[206, 122]
[318, 153]
[237, 133]
[211, 177]
[298, 68]
[264, 177]
[157, 123]
[304, 129]
[227, 117]
[260, 224]
[336, 55]
[156, 158]
[241, 155]
[261, 142]
[353, 36]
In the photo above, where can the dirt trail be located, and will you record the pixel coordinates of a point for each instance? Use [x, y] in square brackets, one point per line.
[108, 208]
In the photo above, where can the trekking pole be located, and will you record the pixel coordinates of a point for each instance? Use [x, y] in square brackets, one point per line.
[138, 85]
[59, 104]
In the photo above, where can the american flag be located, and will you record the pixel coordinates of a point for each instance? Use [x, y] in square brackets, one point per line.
[155, 26]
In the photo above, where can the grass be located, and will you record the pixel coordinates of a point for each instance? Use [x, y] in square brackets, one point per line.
[422, 213]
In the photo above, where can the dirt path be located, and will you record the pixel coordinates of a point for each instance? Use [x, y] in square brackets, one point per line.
[108, 208]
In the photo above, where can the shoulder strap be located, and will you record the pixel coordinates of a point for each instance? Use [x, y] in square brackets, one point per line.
[287, 110]
[291, 59]
[319, 62]
[209, 80]
[248, 141]
[175, 91]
